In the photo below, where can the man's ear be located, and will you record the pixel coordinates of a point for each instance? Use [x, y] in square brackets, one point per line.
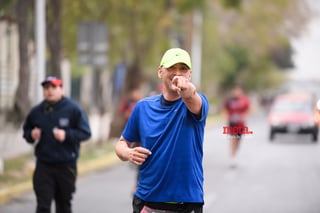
[190, 75]
[62, 90]
[160, 72]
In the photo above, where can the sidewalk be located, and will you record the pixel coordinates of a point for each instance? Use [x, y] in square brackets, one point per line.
[12, 143]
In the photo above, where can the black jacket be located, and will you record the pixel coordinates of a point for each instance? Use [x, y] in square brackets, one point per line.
[67, 115]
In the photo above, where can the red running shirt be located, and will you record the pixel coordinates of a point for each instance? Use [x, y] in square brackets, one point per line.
[236, 108]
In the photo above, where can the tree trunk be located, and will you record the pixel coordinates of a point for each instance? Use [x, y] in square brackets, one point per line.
[134, 75]
[134, 72]
[54, 36]
[22, 103]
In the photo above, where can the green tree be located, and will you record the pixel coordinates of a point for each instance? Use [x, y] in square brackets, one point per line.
[249, 42]
[53, 35]
[242, 39]
[22, 102]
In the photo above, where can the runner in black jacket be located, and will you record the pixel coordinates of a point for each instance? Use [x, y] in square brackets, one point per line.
[56, 126]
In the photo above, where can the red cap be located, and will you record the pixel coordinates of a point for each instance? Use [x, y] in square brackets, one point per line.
[52, 80]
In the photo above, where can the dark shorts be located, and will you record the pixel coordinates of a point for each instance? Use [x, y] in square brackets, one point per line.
[238, 135]
[138, 204]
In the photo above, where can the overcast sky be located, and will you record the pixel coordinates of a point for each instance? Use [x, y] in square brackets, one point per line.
[307, 49]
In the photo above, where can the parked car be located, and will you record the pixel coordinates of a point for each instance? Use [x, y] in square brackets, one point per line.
[293, 113]
[318, 113]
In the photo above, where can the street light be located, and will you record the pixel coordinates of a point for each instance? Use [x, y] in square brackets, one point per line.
[196, 48]
[40, 44]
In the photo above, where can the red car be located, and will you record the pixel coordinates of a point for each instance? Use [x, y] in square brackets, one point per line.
[293, 113]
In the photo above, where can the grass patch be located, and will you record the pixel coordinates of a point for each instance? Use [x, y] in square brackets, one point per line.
[91, 151]
[16, 170]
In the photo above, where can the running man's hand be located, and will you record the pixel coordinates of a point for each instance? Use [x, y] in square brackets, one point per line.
[59, 134]
[36, 134]
[138, 155]
[131, 151]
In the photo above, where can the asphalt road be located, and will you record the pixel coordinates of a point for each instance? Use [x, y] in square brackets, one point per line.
[278, 177]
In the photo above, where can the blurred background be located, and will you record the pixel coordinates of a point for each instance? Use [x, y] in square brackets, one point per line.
[104, 49]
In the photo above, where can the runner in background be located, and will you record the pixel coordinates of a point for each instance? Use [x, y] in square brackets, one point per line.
[127, 105]
[56, 127]
[236, 107]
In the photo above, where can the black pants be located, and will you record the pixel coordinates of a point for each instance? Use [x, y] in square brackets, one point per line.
[137, 205]
[54, 182]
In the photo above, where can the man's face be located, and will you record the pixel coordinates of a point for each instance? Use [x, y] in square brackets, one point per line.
[52, 93]
[167, 74]
[237, 92]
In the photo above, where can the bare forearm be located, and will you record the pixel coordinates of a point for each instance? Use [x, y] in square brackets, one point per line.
[132, 152]
[122, 149]
[192, 99]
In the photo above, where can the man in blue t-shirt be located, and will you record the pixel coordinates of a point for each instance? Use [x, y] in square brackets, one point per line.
[164, 136]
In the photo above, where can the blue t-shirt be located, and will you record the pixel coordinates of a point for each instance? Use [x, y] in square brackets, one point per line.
[174, 135]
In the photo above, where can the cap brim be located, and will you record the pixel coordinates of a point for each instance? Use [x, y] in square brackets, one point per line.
[53, 82]
[169, 64]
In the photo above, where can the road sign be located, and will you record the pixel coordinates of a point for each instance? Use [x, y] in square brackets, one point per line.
[92, 44]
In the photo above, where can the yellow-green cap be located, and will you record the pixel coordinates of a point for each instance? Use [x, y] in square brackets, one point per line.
[174, 56]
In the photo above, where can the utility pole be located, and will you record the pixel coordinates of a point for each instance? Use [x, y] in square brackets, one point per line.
[40, 43]
[196, 48]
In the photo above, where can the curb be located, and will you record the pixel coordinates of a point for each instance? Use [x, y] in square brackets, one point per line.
[6, 194]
